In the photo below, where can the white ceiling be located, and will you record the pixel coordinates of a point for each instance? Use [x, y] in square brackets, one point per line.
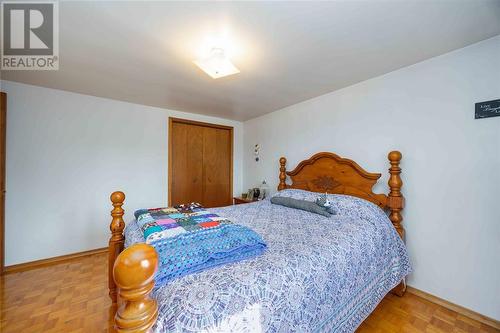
[287, 51]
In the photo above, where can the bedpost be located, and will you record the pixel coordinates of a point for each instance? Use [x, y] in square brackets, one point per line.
[116, 241]
[282, 184]
[133, 273]
[396, 199]
[396, 203]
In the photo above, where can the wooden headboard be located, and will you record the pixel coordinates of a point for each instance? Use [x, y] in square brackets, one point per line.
[328, 172]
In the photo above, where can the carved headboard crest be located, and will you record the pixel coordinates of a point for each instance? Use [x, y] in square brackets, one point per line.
[328, 172]
[326, 183]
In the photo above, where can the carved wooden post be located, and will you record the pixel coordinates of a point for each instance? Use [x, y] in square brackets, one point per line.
[396, 199]
[134, 271]
[396, 203]
[282, 184]
[116, 241]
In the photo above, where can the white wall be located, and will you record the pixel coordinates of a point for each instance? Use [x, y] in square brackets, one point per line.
[67, 152]
[451, 162]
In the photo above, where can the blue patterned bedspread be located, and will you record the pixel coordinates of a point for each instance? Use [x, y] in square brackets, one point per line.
[318, 274]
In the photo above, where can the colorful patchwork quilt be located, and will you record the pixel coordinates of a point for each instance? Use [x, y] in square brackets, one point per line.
[190, 239]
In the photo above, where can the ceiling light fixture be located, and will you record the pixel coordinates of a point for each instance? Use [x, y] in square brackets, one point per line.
[217, 64]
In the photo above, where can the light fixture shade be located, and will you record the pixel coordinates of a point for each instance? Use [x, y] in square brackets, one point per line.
[217, 64]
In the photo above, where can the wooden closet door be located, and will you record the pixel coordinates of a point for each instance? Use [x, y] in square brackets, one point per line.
[187, 163]
[200, 163]
[217, 158]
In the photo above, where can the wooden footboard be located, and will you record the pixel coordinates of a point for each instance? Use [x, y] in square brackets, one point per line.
[133, 272]
[117, 239]
[131, 277]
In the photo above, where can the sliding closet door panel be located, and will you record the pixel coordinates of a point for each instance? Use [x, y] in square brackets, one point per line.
[217, 167]
[200, 163]
[187, 162]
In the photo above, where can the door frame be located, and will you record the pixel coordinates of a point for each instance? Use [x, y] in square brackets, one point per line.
[3, 154]
[171, 121]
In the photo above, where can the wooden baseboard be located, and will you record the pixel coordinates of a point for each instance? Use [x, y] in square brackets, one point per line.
[50, 261]
[454, 307]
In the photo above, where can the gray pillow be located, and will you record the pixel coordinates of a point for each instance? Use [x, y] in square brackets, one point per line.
[300, 204]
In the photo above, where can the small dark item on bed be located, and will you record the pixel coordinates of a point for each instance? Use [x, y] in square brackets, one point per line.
[308, 206]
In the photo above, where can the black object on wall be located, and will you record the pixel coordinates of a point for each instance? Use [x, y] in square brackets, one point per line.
[488, 109]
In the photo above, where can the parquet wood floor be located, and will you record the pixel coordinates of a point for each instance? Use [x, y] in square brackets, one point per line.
[72, 297]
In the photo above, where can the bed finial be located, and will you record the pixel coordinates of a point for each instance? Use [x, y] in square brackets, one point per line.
[116, 241]
[133, 272]
[396, 199]
[282, 184]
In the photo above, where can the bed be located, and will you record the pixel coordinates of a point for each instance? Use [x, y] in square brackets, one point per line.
[319, 274]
